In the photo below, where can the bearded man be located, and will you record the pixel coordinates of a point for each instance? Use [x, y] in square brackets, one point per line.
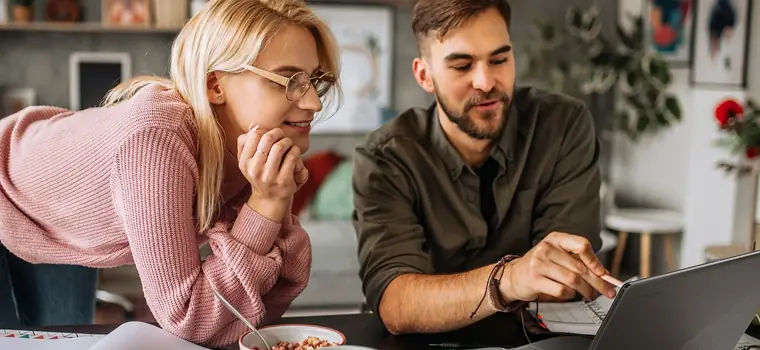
[487, 199]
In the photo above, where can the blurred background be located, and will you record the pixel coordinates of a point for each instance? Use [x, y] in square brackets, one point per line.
[670, 83]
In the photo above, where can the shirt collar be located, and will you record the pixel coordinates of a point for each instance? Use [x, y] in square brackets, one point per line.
[503, 151]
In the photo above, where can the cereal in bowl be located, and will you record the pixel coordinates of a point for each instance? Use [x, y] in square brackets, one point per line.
[309, 343]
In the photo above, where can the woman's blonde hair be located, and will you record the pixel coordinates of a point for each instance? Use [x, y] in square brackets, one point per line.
[224, 36]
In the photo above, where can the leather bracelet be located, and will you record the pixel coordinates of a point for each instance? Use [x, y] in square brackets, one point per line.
[496, 299]
[492, 288]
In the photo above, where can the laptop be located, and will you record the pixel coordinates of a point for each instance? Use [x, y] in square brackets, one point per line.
[708, 306]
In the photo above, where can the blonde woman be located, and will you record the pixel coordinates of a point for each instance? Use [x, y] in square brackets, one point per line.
[212, 155]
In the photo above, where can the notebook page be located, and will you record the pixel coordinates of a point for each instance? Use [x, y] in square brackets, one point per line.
[573, 317]
[563, 312]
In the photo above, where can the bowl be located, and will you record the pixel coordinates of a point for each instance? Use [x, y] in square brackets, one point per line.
[294, 333]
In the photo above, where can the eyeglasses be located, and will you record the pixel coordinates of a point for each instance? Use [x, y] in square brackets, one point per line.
[299, 83]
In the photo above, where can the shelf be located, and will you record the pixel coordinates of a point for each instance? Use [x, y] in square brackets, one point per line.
[83, 27]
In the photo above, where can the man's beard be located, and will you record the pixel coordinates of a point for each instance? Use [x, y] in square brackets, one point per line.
[465, 122]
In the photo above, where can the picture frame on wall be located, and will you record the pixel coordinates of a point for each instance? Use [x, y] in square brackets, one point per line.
[365, 36]
[668, 29]
[721, 39]
[93, 74]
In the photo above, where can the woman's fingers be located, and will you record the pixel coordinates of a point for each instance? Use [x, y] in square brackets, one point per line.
[289, 165]
[269, 139]
[275, 158]
[251, 141]
[243, 137]
[301, 173]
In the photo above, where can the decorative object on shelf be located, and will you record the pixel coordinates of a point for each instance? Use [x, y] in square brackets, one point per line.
[13, 100]
[642, 77]
[22, 10]
[62, 11]
[365, 36]
[127, 12]
[740, 123]
[720, 42]
[93, 74]
[669, 29]
[170, 13]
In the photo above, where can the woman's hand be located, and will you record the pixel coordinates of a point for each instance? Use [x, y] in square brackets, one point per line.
[269, 160]
[301, 175]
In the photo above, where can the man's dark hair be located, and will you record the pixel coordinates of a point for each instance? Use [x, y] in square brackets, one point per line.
[441, 16]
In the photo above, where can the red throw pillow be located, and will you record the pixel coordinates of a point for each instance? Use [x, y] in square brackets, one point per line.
[320, 165]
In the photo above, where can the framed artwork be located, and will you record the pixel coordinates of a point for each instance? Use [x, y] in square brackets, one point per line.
[721, 37]
[365, 36]
[13, 100]
[668, 29]
[126, 12]
[93, 74]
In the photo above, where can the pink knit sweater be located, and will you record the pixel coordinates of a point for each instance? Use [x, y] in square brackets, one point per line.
[112, 186]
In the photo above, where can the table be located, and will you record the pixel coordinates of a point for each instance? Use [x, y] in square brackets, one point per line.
[367, 330]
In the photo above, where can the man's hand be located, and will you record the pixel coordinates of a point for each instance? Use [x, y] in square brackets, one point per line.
[555, 269]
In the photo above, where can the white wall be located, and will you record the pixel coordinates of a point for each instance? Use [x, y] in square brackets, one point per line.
[652, 171]
[753, 74]
[676, 169]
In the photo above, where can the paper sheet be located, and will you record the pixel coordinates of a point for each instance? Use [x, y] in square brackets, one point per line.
[746, 342]
[143, 336]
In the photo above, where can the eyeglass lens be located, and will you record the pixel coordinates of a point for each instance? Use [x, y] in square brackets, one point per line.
[299, 83]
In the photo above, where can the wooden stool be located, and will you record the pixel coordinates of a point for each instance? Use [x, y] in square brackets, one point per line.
[645, 222]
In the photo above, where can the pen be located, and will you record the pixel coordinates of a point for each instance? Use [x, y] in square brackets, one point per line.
[460, 346]
[612, 280]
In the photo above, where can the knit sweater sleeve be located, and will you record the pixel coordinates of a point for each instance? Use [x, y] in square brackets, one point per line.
[154, 183]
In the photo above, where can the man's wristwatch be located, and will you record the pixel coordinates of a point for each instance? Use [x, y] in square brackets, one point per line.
[494, 295]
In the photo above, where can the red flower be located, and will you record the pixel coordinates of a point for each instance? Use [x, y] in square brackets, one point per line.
[752, 152]
[727, 111]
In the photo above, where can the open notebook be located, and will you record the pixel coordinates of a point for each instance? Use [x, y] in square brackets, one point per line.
[578, 317]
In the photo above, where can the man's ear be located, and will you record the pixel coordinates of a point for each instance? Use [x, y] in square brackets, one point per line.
[214, 89]
[422, 72]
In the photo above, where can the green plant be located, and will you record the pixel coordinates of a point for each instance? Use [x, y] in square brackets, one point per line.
[581, 57]
[26, 3]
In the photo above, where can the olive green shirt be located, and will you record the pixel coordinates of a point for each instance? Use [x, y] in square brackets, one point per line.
[420, 209]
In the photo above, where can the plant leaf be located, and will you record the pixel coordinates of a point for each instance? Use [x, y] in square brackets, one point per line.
[626, 39]
[673, 107]
[642, 124]
[661, 119]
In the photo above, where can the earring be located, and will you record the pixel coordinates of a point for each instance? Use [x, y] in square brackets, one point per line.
[219, 98]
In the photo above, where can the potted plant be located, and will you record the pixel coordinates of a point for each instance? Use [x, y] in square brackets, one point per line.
[582, 56]
[22, 10]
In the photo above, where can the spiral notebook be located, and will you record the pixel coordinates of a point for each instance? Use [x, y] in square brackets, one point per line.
[578, 317]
